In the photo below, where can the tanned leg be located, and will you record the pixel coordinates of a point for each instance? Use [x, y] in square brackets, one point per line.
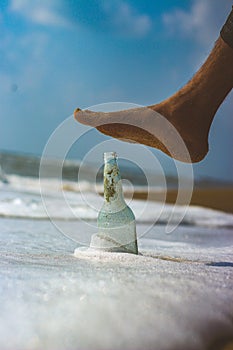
[190, 110]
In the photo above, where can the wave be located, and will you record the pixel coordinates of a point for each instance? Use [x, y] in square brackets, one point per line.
[21, 198]
[21, 188]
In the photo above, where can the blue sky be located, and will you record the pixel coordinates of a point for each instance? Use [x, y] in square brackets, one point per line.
[61, 54]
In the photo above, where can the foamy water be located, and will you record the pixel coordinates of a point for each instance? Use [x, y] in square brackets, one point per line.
[21, 198]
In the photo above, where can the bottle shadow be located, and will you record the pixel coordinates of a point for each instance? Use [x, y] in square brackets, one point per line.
[221, 264]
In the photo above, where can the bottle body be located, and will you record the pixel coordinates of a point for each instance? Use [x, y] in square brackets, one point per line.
[116, 221]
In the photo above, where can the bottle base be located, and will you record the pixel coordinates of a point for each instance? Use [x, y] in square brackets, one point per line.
[106, 243]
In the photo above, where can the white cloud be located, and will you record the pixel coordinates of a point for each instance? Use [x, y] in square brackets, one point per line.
[40, 11]
[202, 22]
[118, 15]
[126, 20]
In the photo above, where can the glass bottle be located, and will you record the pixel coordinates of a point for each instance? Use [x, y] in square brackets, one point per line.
[116, 221]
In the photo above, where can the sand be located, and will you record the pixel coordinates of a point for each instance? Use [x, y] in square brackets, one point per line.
[212, 197]
[176, 295]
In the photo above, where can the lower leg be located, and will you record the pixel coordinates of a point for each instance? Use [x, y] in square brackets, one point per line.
[192, 109]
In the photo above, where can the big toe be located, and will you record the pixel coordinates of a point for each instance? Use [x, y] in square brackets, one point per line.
[87, 117]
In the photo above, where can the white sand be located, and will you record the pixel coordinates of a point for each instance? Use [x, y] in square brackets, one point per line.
[177, 295]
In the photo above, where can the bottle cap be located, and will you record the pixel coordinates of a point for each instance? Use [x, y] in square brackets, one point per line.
[109, 155]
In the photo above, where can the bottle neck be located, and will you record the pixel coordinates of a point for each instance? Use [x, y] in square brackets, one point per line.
[113, 192]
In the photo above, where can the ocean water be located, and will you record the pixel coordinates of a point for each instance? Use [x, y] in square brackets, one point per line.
[178, 294]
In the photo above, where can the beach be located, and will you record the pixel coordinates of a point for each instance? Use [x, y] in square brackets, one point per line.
[116, 184]
[176, 294]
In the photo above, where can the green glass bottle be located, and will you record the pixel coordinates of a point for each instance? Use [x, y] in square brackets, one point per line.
[116, 221]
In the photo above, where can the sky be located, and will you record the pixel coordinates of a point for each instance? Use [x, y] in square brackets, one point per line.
[57, 55]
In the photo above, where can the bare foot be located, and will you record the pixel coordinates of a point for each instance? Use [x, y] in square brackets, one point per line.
[178, 126]
[156, 126]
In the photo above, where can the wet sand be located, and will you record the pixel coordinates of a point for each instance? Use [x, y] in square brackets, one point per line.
[220, 198]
